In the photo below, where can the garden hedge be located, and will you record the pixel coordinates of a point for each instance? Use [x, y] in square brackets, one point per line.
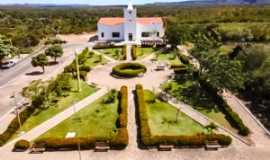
[21, 145]
[147, 139]
[134, 52]
[128, 70]
[14, 125]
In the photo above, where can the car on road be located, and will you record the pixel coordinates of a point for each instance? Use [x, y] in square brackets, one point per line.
[8, 64]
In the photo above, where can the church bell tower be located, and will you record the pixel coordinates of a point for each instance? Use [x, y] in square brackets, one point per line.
[130, 15]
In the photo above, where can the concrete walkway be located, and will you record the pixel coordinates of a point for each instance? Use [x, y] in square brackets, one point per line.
[45, 126]
[259, 134]
[129, 48]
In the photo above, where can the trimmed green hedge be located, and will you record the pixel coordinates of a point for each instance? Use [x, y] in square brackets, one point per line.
[134, 52]
[14, 125]
[128, 70]
[147, 139]
[21, 145]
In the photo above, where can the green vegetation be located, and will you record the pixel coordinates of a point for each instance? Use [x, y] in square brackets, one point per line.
[44, 113]
[115, 53]
[148, 138]
[6, 48]
[96, 120]
[100, 121]
[40, 60]
[21, 145]
[54, 51]
[191, 93]
[170, 56]
[128, 70]
[165, 119]
[87, 60]
[141, 52]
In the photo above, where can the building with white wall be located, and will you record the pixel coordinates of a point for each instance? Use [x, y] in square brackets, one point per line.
[130, 28]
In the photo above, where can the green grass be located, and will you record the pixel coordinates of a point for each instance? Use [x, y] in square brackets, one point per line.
[170, 57]
[112, 52]
[95, 60]
[95, 120]
[165, 119]
[144, 51]
[63, 103]
[203, 102]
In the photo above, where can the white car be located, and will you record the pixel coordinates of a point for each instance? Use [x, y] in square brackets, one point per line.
[8, 64]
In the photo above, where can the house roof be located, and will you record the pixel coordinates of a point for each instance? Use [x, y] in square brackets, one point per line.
[119, 20]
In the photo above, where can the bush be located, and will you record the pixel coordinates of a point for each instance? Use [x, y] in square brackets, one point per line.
[85, 68]
[128, 70]
[124, 53]
[134, 52]
[68, 143]
[183, 59]
[22, 145]
[14, 125]
[121, 139]
[123, 108]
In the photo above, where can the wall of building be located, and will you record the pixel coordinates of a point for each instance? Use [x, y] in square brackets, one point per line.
[108, 29]
[150, 28]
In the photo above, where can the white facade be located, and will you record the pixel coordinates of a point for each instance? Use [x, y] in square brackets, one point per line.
[130, 28]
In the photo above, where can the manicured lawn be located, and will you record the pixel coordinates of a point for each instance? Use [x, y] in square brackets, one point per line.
[201, 102]
[95, 120]
[144, 51]
[165, 119]
[63, 103]
[115, 53]
[95, 60]
[170, 57]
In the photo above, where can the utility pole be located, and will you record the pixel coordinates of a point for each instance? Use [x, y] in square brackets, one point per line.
[78, 72]
[16, 109]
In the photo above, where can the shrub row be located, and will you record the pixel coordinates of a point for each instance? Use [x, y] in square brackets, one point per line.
[104, 46]
[145, 132]
[14, 125]
[123, 107]
[121, 139]
[21, 145]
[231, 116]
[181, 141]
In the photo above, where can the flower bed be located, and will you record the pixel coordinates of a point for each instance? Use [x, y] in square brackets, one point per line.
[128, 70]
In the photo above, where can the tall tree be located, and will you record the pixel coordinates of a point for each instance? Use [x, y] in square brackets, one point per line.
[222, 72]
[54, 51]
[40, 60]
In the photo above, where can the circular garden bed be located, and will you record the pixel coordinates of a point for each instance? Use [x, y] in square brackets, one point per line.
[128, 70]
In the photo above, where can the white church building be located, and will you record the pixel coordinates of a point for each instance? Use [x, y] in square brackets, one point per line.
[130, 28]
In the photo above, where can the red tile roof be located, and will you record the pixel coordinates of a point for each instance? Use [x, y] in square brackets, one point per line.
[119, 20]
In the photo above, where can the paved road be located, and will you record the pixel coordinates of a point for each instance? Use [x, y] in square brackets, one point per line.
[9, 74]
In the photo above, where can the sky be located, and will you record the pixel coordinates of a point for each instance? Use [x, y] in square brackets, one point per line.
[90, 2]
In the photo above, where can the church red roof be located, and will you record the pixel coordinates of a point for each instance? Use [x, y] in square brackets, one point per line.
[119, 20]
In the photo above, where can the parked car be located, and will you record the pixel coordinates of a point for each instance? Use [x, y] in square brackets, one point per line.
[8, 64]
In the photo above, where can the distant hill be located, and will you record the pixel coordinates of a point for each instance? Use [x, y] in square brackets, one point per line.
[215, 2]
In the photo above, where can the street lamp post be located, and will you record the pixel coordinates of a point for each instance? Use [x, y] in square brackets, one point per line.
[78, 71]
